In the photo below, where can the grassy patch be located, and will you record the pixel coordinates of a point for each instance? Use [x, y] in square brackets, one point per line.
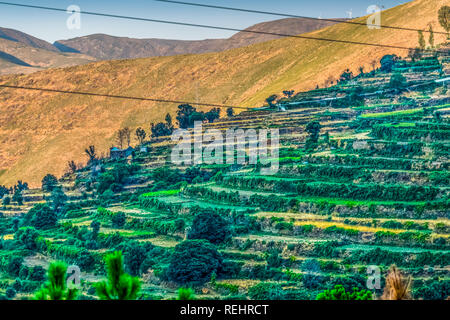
[161, 193]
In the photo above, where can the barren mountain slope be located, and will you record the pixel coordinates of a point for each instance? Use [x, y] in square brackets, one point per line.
[26, 39]
[26, 59]
[105, 47]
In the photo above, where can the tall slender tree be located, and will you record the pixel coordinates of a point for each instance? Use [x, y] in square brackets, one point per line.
[431, 37]
[421, 40]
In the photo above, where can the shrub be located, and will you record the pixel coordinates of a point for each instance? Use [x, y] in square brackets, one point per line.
[14, 265]
[10, 293]
[339, 293]
[266, 291]
[186, 294]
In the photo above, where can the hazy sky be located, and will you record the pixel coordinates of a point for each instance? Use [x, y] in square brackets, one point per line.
[51, 26]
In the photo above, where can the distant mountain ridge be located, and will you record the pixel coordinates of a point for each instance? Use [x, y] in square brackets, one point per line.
[106, 47]
[26, 39]
[20, 57]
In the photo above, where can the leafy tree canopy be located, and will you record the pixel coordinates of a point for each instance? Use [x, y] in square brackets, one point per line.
[211, 226]
[193, 261]
[41, 216]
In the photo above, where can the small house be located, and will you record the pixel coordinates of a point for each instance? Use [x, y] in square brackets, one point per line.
[144, 149]
[116, 153]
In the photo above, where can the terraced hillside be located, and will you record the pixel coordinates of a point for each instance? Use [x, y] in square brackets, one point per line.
[373, 190]
[40, 131]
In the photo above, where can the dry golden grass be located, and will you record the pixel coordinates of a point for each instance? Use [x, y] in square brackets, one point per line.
[398, 287]
[40, 132]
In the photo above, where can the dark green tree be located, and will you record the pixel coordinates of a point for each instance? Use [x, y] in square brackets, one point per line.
[41, 216]
[169, 123]
[49, 182]
[397, 81]
[27, 236]
[230, 112]
[184, 115]
[134, 256]
[6, 201]
[213, 114]
[118, 220]
[58, 199]
[387, 62]
[193, 261]
[17, 197]
[346, 76]
[95, 225]
[211, 226]
[313, 128]
[119, 285]
[14, 265]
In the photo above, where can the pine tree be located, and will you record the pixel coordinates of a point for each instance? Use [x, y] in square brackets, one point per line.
[421, 40]
[55, 288]
[119, 286]
[431, 38]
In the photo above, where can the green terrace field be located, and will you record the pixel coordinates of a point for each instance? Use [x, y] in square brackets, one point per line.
[370, 187]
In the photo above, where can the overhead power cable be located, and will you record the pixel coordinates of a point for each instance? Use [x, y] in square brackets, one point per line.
[122, 97]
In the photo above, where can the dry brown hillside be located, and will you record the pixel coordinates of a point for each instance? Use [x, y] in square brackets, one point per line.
[16, 57]
[40, 132]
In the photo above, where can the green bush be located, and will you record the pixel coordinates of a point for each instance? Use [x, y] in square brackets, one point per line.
[266, 291]
[339, 293]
